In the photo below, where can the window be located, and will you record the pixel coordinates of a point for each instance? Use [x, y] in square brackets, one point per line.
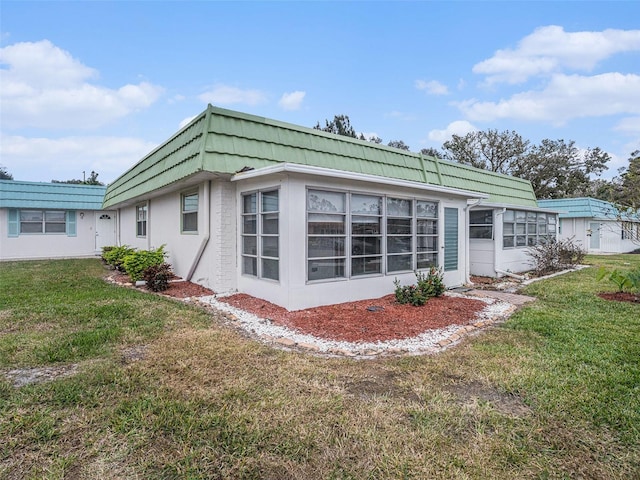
[426, 234]
[481, 224]
[141, 220]
[366, 234]
[326, 235]
[356, 234]
[399, 234]
[260, 235]
[189, 207]
[525, 229]
[43, 221]
[627, 230]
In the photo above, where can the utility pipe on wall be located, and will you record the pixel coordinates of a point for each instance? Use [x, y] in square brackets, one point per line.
[495, 241]
[467, 273]
[207, 229]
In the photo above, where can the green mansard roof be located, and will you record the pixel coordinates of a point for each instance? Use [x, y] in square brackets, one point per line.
[62, 196]
[225, 142]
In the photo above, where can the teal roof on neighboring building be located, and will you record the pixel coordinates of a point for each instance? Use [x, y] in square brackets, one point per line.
[225, 142]
[585, 207]
[56, 196]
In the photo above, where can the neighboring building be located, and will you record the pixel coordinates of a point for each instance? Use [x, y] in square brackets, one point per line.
[301, 217]
[596, 225]
[53, 220]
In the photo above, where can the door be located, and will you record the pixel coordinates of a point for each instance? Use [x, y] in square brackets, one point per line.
[452, 265]
[594, 242]
[105, 230]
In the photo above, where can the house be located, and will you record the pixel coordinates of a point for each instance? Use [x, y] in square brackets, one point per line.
[596, 225]
[302, 217]
[53, 220]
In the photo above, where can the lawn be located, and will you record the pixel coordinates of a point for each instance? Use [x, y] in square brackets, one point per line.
[162, 389]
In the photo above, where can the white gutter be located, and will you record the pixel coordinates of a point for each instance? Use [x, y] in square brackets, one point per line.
[207, 230]
[510, 274]
[362, 177]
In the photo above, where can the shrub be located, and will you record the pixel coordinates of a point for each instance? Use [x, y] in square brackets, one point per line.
[138, 261]
[115, 256]
[157, 277]
[554, 256]
[429, 285]
[629, 281]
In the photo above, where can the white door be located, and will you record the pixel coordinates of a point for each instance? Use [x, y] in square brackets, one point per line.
[594, 242]
[453, 264]
[105, 230]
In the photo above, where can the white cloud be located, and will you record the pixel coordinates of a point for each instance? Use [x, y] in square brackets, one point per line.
[45, 159]
[630, 125]
[459, 127]
[550, 49]
[291, 101]
[565, 97]
[226, 95]
[43, 86]
[432, 87]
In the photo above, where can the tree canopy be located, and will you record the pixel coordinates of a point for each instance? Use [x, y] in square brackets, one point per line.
[92, 180]
[4, 174]
[555, 168]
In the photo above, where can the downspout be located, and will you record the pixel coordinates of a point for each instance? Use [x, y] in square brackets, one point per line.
[207, 198]
[467, 273]
[207, 230]
[495, 255]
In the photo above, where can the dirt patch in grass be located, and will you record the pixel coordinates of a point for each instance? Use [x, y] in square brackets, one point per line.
[621, 297]
[474, 391]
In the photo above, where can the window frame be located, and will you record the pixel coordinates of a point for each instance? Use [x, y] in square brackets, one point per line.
[483, 225]
[429, 221]
[260, 234]
[528, 228]
[184, 212]
[44, 224]
[142, 223]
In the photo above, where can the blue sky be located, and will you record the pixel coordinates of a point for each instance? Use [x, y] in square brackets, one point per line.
[97, 85]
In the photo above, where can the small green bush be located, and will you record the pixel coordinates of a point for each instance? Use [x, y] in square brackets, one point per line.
[625, 281]
[429, 284]
[157, 277]
[115, 256]
[138, 261]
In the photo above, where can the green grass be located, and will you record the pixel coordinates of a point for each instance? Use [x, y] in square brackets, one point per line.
[552, 393]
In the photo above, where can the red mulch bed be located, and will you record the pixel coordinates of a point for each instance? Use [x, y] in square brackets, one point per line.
[353, 322]
[620, 297]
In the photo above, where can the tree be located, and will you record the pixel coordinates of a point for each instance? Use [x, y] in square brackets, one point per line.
[431, 152]
[630, 187]
[398, 144]
[92, 180]
[489, 150]
[4, 174]
[340, 125]
[558, 169]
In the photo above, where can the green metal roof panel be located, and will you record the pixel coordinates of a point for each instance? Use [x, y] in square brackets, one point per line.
[60, 196]
[225, 141]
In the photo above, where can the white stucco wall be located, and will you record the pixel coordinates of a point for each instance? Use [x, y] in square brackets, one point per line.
[481, 257]
[41, 246]
[293, 291]
[610, 235]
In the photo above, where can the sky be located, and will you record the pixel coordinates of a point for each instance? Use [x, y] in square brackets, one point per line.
[96, 85]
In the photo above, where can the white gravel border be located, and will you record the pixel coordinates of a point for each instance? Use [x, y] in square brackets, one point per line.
[428, 342]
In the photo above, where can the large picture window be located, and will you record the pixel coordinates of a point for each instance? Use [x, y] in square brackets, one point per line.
[356, 234]
[43, 221]
[261, 235]
[525, 229]
[189, 209]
